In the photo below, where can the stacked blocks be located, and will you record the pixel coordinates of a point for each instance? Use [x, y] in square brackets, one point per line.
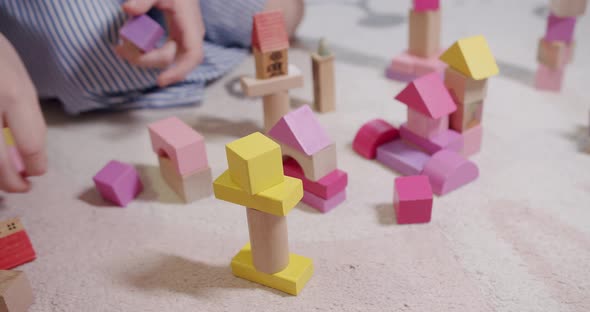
[470, 64]
[182, 158]
[118, 183]
[412, 199]
[421, 57]
[555, 49]
[371, 135]
[255, 180]
[274, 77]
[143, 32]
[15, 245]
[16, 294]
[311, 156]
[13, 152]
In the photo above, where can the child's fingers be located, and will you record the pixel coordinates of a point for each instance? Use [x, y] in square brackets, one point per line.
[158, 58]
[138, 7]
[183, 65]
[10, 180]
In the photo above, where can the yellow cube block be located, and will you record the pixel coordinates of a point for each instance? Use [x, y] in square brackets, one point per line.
[255, 163]
[8, 137]
[472, 57]
[290, 280]
[277, 200]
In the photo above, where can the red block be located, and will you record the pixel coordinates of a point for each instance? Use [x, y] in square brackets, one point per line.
[15, 245]
[371, 135]
[412, 199]
[326, 187]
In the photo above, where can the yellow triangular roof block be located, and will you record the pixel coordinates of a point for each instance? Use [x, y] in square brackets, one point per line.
[472, 57]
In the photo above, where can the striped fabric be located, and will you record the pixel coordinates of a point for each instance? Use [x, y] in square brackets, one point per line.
[67, 48]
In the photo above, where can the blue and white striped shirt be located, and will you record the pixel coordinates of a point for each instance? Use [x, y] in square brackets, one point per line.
[67, 48]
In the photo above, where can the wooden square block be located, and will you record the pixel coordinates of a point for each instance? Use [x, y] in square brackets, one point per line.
[16, 294]
[314, 166]
[464, 89]
[568, 7]
[118, 183]
[554, 54]
[425, 126]
[412, 199]
[190, 187]
[560, 28]
[271, 64]
[424, 38]
[548, 79]
[467, 116]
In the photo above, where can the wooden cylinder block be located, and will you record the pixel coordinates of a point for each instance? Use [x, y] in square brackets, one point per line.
[269, 241]
[424, 33]
[275, 106]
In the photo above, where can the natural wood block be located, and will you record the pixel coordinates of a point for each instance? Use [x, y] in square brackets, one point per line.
[190, 187]
[269, 241]
[314, 166]
[564, 8]
[324, 89]
[271, 64]
[261, 87]
[463, 88]
[16, 294]
[425, 126]
[554, 54]
[467, 116]
[424, 33]
[275, 106]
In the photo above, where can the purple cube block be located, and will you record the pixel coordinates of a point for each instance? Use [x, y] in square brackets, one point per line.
[118, 182]
[426, 5]
[560, 28]
[143, 32]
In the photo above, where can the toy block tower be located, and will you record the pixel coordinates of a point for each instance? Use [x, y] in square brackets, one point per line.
[274, 77]
[16, 294]
[15, 245]
[556, 48]
[470, 63]
[310, 155]
[182, 157]
[423, 45]
[13, 152]
[255, 180]
[324, 92]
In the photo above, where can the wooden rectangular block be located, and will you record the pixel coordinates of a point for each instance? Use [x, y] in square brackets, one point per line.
[467, 116]
[568, 7]
[560, 28]
[548, 79]
[190, 187]
[424, 33]
[16, 294]
[271, 64]
[402, 158]
[464, 89]
[261, 87]
[314, 166]
[554, 54]
[425, 126]
[324, 89]
[326, 187]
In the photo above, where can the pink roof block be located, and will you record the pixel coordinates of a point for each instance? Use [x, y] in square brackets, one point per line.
[302, 131]
[429, 96]
[269, 32]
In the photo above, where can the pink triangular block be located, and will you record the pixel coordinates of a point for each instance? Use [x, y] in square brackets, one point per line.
[301, 130]
[429, 96]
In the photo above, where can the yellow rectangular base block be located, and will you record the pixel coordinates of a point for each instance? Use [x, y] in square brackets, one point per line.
[290, 280]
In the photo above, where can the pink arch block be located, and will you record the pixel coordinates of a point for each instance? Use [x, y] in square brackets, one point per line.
[448, 171]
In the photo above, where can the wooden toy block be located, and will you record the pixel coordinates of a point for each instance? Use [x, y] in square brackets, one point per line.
[255, 163]
[554, 54]
[118, 183]
[317, 165]
[412, 199]
[291, 280]
[277, 200]
[448, 170]
[560, 28]
[8, 138]
[270, 44]
[447, 139]
[567, 8]
[425, 126]
[324, 88]
[371, 135]
[472, 57]
[269, 241]
[549, 79]
[429, 96]
[143, 32]
[301, 130]
[402, 158]
[467, 116]
[190, 187]
[326, 187]
[424, 66]
[464, 89]
[472, 141]
[399, 76]
[174, 139]
[426, 5]
[262, 87]
[407, 67]
[404, 63]
[321, 204]
[16, 294]
[424, 34]
[15, 244]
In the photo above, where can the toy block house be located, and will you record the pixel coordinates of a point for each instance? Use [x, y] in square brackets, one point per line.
[310, 155]
[270, 44]
[15, 245]
[182, 158]
[255, 179]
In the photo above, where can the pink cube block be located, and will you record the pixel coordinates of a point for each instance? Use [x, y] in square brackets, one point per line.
[448, 170]
[326, 187]
[118, 182]
[412, 199]
[17, 160]
[143, 32]
[402, 158]
[425, 126]
[472, 141]
[184, 146]
[426, 5]
[371, 135]
[448, 139]
[407, 67]
[549, 79]
[560, 28]
[321, 204]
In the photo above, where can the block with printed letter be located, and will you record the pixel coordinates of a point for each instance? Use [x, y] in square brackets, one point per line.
[554, 54]
[270, 44]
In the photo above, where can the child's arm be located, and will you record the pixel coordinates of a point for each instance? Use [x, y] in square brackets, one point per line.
[183, 52]
[19, 109]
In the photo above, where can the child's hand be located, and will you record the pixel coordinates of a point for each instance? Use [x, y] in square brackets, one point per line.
[19, 110]
[186, 30]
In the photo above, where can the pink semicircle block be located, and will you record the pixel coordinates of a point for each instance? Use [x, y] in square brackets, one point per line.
[371, 135]
[448, 171]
